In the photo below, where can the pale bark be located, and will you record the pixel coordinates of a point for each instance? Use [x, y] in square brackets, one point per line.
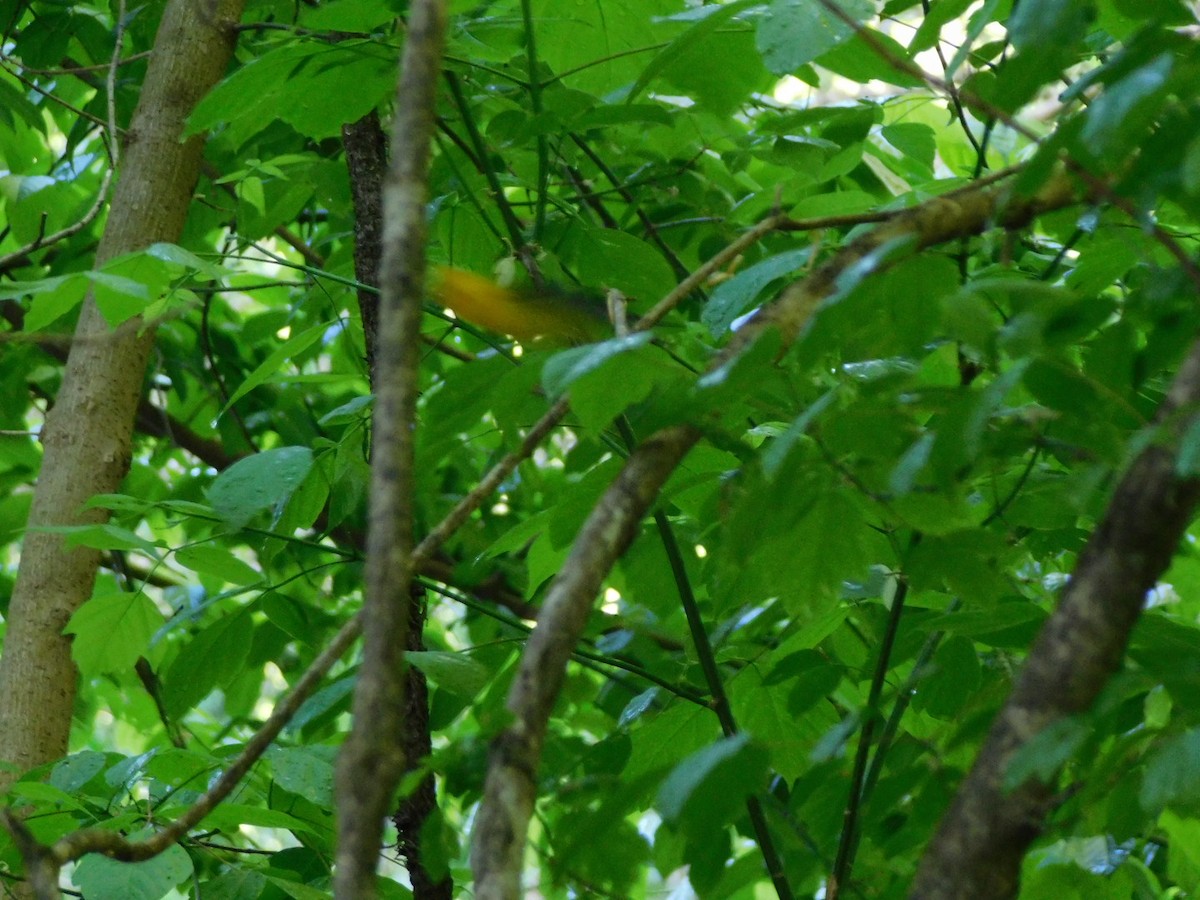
[87, 434]
[372, 759]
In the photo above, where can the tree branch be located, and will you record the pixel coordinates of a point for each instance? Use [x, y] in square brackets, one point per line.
[509, 791]
[978, 847]
[372, 759]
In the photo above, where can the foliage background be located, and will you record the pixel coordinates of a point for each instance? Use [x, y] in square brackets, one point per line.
[877, 521]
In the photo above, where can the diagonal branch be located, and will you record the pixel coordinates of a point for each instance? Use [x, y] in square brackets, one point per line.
[978, 848]
[511, 785]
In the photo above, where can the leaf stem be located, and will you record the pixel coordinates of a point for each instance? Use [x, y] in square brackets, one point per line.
[844, 861]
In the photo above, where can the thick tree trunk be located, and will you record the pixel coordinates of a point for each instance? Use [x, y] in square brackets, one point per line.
[88, 431]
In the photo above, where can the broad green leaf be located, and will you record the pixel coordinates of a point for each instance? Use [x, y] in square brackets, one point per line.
[1118, 117]
[836, 203]
[179, 768]
[660, 742]
[349, 411]
[596, 40]
[257, 483]
[208, 559]
[713, 18]
[236, 884]
[1184, 834]
[954, 678]
[859, 60]
[111, 631]
[120, 298]
[103, 537]
[913, 139]
[734, 297]
[640, 373]
[349, 15]
[288, 615]
[107, 879]
[320, 703]
[315, 88]
[614, 259]
[1009, 624]
[767, 712]
[270, 367]
[686, 62]
[231, 815]
[51, 297]
[706, 787]
[794, 32]
[78, 769]
[567, 367]
[1094, 872]
[298, 891]
[454, 672]
[1172, 777]
[1048, 24]
[209, 659]
[305, 771]
[44, 207]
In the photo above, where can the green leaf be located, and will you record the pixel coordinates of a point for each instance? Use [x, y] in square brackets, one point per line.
[713, 17]
[1118, 117]
[112, 631]
[1048, 24]
[660, 741]
[913, 139]
[1172, 777]
[941, 12]
[862, 60]
[211, 658]
[613, 259]
[455, 672]
[636, 369]
[596, 40]
[101, 878]
[567, 367]
[795, 32]
[316, 88]
[270, 367]
[102, 537]
[955, 677]
[78, 769]
[349, 411]
[264, 481]
[1183, 865]
[231, 815]
[305, 771]
[298, 891]
[208, 559]
[732, 298]
[707, 787]
[51, 297]
[766, 710]
[715, 32]
[349, 15]
[236, 884]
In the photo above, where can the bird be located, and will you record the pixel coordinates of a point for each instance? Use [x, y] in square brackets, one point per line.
[530, 315]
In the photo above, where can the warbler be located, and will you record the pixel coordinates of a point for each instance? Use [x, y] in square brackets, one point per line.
[523, 313]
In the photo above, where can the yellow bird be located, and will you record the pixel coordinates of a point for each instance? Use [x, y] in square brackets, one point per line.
[524, 314]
